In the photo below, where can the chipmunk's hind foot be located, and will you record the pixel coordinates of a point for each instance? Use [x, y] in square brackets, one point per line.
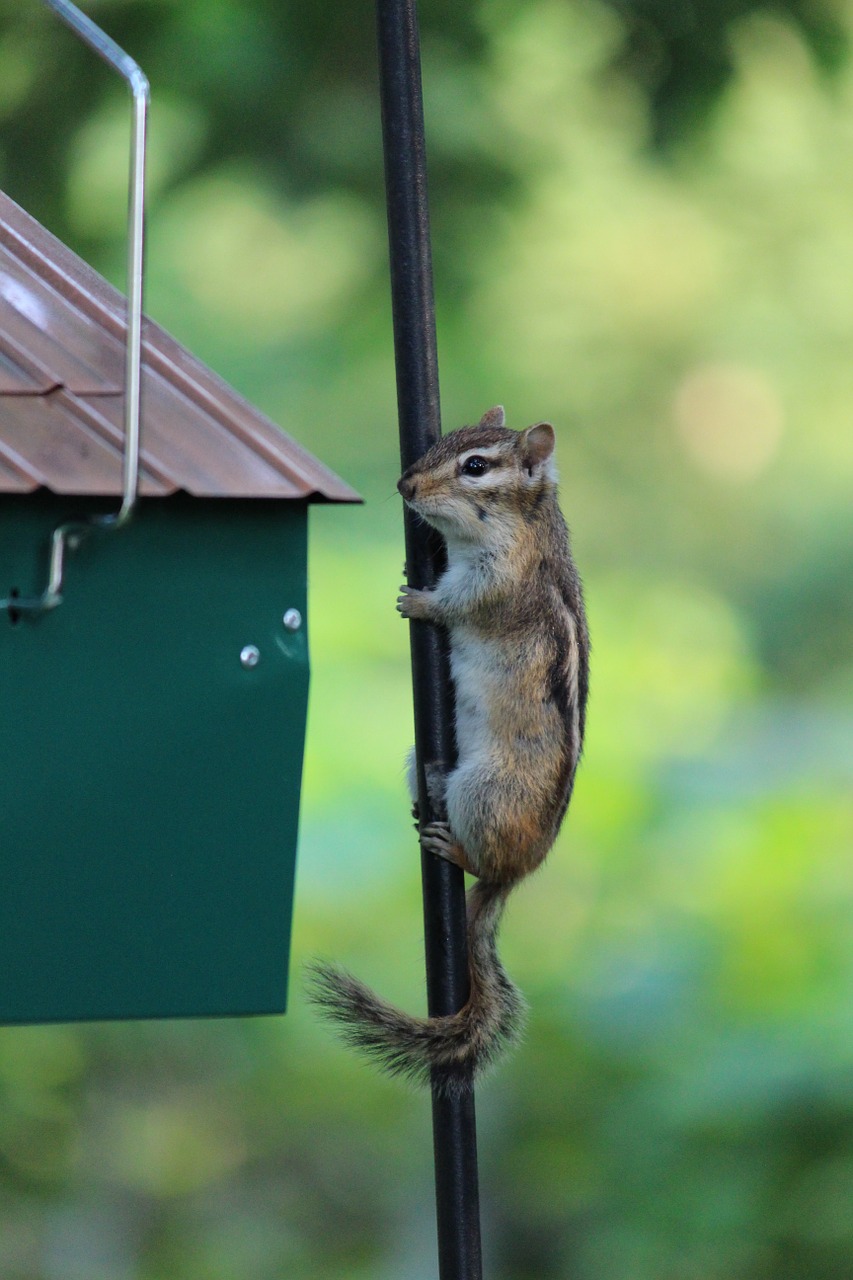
[437, 838]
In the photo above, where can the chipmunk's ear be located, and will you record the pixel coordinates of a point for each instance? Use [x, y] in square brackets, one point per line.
[494, 417]
[537, 444]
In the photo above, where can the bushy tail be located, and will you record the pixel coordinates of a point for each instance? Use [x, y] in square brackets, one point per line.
[447, 1051]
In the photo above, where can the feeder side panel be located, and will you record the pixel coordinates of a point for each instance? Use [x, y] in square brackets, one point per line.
[149, 781]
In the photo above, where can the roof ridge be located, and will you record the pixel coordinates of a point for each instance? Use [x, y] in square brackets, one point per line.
[14, 460]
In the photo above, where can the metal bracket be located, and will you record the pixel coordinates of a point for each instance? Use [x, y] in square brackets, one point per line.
[68, 536]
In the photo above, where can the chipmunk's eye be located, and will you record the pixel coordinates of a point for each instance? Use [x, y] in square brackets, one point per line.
[475, 466]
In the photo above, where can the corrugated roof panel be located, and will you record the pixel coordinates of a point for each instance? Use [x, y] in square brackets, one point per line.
[20, 378]
[189, 448]
[62, 325]
[253, 428]
[58, 449]
[15, 475]
[68, 345]
[103, 417]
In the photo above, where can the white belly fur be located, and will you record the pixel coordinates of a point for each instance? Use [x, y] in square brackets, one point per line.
[477, 665]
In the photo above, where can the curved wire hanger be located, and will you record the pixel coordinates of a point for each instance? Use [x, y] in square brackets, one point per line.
[69, 535]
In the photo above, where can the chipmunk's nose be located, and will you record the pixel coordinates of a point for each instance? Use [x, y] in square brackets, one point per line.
[407, 486]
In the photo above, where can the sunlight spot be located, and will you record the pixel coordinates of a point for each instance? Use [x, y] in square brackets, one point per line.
[254, 259]
[729, 419]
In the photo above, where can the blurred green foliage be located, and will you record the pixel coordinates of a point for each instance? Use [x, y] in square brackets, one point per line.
[643, 221]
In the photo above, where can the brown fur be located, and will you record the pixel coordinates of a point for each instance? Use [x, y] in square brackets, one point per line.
[511, 600]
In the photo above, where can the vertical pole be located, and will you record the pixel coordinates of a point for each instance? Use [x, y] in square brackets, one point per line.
[454, 1125]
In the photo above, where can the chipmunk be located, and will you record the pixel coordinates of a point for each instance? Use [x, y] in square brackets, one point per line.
[512, 603]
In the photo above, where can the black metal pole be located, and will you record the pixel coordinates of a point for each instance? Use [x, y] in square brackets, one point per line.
[454, 1125]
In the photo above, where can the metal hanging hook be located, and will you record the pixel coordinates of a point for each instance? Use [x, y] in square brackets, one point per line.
[70, 534]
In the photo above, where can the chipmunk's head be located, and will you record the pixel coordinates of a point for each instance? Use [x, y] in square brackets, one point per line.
[476, 483]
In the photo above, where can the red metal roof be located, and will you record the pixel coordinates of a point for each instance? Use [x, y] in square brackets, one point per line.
[62, 335]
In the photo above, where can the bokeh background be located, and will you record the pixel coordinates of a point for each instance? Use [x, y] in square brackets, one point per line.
[643, 231]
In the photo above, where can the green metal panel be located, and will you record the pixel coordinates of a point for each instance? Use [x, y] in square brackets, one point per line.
[149, 782]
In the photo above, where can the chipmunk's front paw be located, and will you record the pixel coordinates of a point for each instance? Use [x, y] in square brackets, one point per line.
[413, 603]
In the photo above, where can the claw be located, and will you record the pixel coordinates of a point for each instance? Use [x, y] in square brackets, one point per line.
[438, 835]
[437, 838]
[412, 602]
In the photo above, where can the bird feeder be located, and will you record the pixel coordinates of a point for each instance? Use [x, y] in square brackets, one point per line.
[152, 714]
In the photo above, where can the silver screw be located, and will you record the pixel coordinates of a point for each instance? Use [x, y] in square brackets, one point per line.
[292, 619]
[250, 655]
